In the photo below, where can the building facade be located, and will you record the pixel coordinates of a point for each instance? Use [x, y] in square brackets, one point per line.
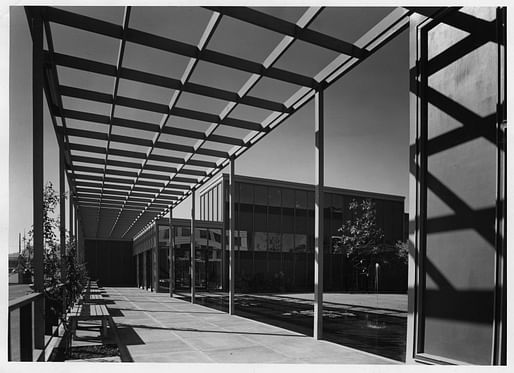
[274, 240]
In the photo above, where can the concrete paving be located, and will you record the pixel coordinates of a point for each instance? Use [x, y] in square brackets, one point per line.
[157, 328]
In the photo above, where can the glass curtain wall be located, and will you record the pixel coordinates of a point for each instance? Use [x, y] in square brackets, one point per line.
[209, 264]
[143, 246]
[274, 243]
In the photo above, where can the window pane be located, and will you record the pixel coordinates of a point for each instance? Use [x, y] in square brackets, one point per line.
[287, 242]
[274, 242]
[220, 202]
[215, 204]
[288, 198]
[164, 234]
[300, 242]
[186, 231]
[274, 196]
[301, 199]
[208, 211]
[242, 239]
[246, 193]
[245, 221]
[201, 208]
[337, 213]
[327, 209]
[287, 220]
[261, 195]
[274, 219]
[260, 242]
[260, 218]
[310, 200]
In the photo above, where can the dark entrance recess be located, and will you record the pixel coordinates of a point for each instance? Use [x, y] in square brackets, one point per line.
[111, 262]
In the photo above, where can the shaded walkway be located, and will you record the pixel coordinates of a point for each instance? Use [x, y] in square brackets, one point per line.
[157, 328]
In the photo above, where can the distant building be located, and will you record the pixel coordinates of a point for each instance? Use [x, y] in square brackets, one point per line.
[13, 261]
[274, 239]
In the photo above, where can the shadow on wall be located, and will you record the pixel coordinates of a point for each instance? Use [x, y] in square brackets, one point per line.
[457, 160]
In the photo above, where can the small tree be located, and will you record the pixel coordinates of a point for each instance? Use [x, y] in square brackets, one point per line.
[360, 235]
[362, 240]
[64, 277]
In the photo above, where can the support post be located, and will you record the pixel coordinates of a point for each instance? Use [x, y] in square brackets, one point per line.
[171, 253]
[231, 260]
[70, 217]
[78, 239]
[76, 231]
[37, 169]
[62, 211]
[137, 271]
[145, 285]
[155, 260]
[26, 353]
[193, 254]
[318, 217]
[224, 219]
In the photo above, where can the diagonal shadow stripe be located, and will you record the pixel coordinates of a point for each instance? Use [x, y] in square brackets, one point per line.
[462, 135]
[477, 303]
[470, 23]
[465, 216]
[471, 220]
[459, 112]
[436, 275]
[460, 20]
[462, 210]
[458, 51]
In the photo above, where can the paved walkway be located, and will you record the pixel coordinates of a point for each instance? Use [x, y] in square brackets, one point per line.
[157, 328]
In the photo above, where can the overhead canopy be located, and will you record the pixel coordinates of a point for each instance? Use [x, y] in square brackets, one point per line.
[148, 104]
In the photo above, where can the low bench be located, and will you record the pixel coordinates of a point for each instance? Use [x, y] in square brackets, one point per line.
[87, 312]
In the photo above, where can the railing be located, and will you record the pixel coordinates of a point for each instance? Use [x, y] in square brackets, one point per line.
[32, 329]
[29, 332]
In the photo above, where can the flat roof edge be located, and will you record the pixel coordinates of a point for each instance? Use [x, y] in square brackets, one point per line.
[310, 187]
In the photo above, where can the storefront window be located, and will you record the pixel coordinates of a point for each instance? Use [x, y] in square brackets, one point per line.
[300, 199]
[287, 242]
[300, 242]
[274, 196]
[260, 241]
[164, 235]
[274, 242]
[246, 193]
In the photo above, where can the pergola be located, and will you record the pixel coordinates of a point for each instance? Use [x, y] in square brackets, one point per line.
[124, 173]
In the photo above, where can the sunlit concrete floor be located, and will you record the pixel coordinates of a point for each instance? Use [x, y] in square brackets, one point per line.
[157, 328]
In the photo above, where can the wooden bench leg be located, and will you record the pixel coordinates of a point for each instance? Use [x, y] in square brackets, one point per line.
[73, 331]
[104, 327]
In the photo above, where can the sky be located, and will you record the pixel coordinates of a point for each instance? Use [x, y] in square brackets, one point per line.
[366, 111]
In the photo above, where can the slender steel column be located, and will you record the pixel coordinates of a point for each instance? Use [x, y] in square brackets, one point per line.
[231, 260]
[37, 169]
[62, 210]
[171, 254]
[318, 217]
[70, 217]
[137, 271]
[224, 219]
[193, 272]
[145, 284]
[155, 259]
[76, 230]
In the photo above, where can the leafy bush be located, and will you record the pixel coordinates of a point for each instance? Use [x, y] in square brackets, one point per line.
[362, 241]
[64, 277]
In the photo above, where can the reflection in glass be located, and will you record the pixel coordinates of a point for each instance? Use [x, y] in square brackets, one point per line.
[274, 196]
[274, 241]
[260, 239]
[287, 242]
